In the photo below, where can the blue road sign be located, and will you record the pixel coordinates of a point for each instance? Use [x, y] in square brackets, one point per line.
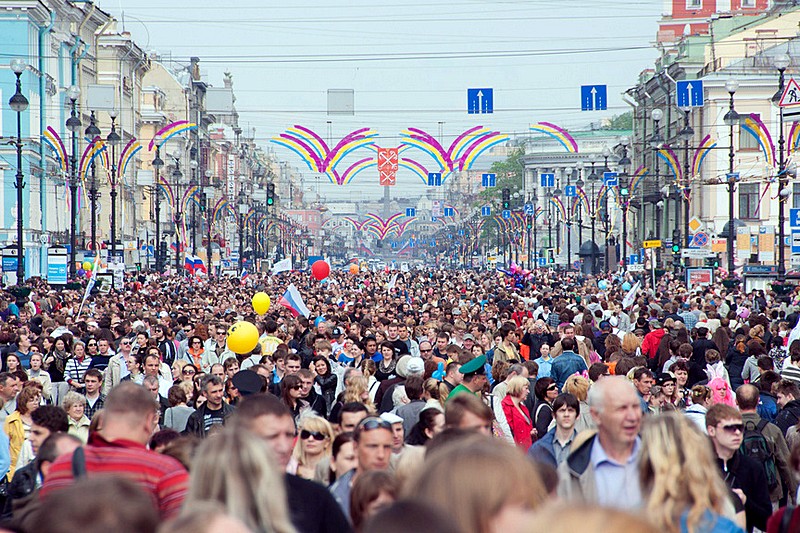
[528, 209]
[489, 180]
[449, 212]
[794, 218]
[634, 259]
[542, 261]
[506, 213]
[461, 232]
[486, 211]
[796, 241]
[570, 191]
[594, 98]
[610, 179]
[690, 93]
[732, 176]
[411, 211]
[548, 180]
[434, 179]
[480, 101]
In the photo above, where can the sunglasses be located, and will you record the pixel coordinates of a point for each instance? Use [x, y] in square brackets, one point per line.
[197, 342]
[553, 387]
[220, 333]
[734, 428]
[304, 434]
[373, 422]
[91, 344]
[424, 351]
[296, 387]
[189, 372]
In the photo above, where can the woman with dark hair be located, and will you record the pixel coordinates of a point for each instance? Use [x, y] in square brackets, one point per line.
[386, 366]
[326, 380]
[735, 361]
[290, 395]
[431, 422]
[545, 391]
[371, 492]
[195, 350]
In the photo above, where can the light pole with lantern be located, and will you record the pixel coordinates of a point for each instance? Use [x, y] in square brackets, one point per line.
[656, 141]
[176, 176]
[92, 132]
[684, 189]
[113, 139]
[731, 119]
[242, 201]
[73, 125]
[782, 62]
[624, 193]
[158, 164]
[18, 103]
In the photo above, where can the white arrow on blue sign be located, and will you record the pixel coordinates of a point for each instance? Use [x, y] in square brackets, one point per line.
[449, 212]
[506, 213]
[480, 101]
[794, 218]
[689, 93]
[610, 179]
[434, 179]
[570, 191]
[634, 259]
[489, 180]
[548, 179]
[528, 209]
[594, 98]
[542, 261]
[411, 211]
[486, 211]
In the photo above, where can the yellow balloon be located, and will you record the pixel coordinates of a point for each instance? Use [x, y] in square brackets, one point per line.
[242, 337]
[87, 265]
[261, 302]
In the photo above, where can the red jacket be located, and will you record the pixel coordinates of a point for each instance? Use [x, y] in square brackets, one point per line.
[651, 342]
[521, 426]
[519, 318]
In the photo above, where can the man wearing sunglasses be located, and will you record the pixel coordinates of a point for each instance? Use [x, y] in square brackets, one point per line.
[372, 445]
[744, 475]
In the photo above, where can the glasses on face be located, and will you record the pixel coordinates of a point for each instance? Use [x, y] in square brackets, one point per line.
[305, 434]
[733, 428]
[197, 342]
[91, 344]
[552, 387]
[189, 372]
[296, 387]
[373, 422]
[220, 333]
[425, 351]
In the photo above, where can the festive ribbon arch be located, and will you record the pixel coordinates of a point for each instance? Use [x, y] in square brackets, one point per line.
[131, 149]
[666, 154]
[559, 134]
[319, 157]
[54, 142]
[380, 227]
[753, 125]
[169, 131]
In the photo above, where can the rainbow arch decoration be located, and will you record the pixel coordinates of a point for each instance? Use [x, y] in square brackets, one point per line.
[705, 147]
[558, 133]
[96, 148]
[668, 155]
[793, 141]
[54, 142]
[638, 178]
[169, 131]
[166, 189]
[357, 225]
[399, 228]
[319, 157]
[558, 205]
[380, 227]
[460, 155]
[131, 149]
[753, 125]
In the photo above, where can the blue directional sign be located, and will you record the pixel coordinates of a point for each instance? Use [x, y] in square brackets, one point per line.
[795, 241]
[634, 259]
[690, 93]
[449, 212]
[570, 191]
[542, 261]
[528, 209]
[794, 218]
[548, 180]
[480, 101]
[434, 179]
[506, 213]
[461, 232]
[411, 211]
[489, 180]
[486, 211]
[594, 98]
[610, 179]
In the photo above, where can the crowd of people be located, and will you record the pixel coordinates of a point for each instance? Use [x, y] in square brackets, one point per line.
[432, 400]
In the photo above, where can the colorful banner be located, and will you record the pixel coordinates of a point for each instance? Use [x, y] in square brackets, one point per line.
[388, 163]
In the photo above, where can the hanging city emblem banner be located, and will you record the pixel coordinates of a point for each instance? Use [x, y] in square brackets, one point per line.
[387, 166]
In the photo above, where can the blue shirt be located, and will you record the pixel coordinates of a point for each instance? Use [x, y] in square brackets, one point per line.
[711, 523]
[617, 484]
[544, 366]
[565, 365]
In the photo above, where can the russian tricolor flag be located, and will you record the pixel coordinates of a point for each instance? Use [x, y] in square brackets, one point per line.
[292, 300]
[193, 264]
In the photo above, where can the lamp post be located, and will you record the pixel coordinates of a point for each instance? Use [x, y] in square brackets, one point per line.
[193, 165]
[176, 176]
[781, 63]
[92, 131]
[73, 125]
[158, 164]
[557, 194]
[593, 216]
[207, 199]
[242, 213]
[568, 172]
[18, 103]
[606, 154]
[113, 139]
[731, 119]
[686, 134]
[579, 186]
[656, 141]
[624, 194]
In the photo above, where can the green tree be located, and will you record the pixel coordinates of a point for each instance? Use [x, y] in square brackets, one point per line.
[622, 122]
[509, 175]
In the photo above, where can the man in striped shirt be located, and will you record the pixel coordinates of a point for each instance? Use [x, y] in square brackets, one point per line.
[120, 450]
[792, 370]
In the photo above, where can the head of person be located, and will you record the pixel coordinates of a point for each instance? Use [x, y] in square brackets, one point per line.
[566, 409]
[10, 385]
[54, 446]
[131, 413]
[343, 455]
[316, 439]
[45, 421]
[615, 408]
[431, 423]
[398, 433]
[213, 390]
[578, 386]
[350, 415]
[673, 479]
[293, 363]
[236, 469]
[218, 370]
[467, 411]
[152, 365]
[371, 492]
[644, 380]
[267, 417]
[545, 389]
[725, 428]
[373, 440]
[509, 488]
[74, 405]
[568, 344]
[786, 391]
[747, 397]
[518, 387]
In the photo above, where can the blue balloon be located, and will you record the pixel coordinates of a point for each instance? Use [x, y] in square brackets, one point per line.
[602, 284]
[626, 286]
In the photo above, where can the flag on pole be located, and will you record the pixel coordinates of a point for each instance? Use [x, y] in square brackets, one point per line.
[292, 300]
[392, 283]
[631, 296]
[284, 265]
[245, 274]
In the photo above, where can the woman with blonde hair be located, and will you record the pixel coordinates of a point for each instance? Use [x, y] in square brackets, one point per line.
[631, 345]
[313, 445]
[509, 488]
[368, 368]
[18, 424]
[236, 469]
[684, 491]
[357, 390]
[75, 406]
[435, 393]
[578, 386]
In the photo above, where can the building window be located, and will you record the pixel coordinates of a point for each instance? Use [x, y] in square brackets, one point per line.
[795, 199]
[748, 200]
[746, 140]
[748, 3]
[694, 4]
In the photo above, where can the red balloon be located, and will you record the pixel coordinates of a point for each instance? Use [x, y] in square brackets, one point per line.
[88, 274]
[320, 270]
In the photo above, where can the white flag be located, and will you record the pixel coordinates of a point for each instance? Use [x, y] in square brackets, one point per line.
[631, 296]
[794, 334]
[392, 282]
[284, 265]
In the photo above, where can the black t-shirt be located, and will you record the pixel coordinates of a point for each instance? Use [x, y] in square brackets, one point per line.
[212, 418]
[312, 508]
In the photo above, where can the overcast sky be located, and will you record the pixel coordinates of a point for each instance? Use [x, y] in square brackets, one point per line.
[410, 63]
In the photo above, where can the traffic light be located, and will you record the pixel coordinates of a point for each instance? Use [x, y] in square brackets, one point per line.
[530, 222]
[676, 241]
[506, 199]
[712, 262]
[161, 258]
[551, 256]
[270, 194]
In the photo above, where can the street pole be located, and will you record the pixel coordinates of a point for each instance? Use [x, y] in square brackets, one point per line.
[73, 125]
[113, 139]
[624, 197]
[158, 164]
[177, 175]
[93, 132]
[18, 103]
[568, 171]
[731, 119]
[781, 63]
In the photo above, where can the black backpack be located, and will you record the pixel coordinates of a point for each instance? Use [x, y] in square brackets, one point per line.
[755, 446]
